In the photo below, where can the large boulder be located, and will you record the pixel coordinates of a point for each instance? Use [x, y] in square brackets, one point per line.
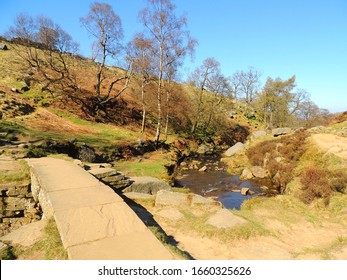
[148, 185]
[281, 131]
[259, 172]
[168, 198]
[238, 147]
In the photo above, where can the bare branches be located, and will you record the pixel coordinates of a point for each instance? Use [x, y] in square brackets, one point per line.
[105, 26]
[44, 45]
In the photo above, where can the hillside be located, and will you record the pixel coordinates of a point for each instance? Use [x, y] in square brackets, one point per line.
[124, 111]
[302, 216]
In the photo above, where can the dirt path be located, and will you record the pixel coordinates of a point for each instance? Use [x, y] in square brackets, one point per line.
[302, 240]
[331, 144]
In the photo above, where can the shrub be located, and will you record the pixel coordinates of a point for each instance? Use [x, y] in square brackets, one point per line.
[338, 180]
[257, 153]
[290, 148]
[315, 184]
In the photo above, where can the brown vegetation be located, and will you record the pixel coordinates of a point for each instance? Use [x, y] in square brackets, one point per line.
[321, 183]
[280, 157]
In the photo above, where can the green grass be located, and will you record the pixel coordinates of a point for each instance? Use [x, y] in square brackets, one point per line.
[325, 253]
[198, 225]
[143, 168]
[165, 239]
[102, 136]
[286, 209]
[52, 244]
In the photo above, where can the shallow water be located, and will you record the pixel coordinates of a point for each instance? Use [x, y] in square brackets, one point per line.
[216, 182]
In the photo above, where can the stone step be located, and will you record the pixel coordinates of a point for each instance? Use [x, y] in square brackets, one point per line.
[101, 173]
[119, 185]
[114, 178]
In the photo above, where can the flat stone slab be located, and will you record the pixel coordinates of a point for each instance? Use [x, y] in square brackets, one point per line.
[102, 172]
[132, 246]
[223, 218]
[26, 235]
[168, 198]
[57, 174]
[88, 224]
[83, 197]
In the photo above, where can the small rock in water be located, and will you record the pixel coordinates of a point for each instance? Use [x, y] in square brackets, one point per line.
[203, 169]
[245, 191]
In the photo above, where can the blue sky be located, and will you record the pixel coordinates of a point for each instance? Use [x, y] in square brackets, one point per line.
[280, 38]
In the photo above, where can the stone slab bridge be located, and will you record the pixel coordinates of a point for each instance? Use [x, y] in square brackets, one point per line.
[93, 221]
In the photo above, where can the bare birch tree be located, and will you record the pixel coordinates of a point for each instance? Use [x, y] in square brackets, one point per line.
[171, 42]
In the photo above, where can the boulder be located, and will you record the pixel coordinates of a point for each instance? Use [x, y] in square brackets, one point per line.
[246, 174]
[281, 131]
[259, 172]
[3, 47]
[259, 133]
[86, 154]
[223, 218]
[200, 200]
[238, 147]
[203, 149]
[148, 185]
[136, 195]
[169, 198]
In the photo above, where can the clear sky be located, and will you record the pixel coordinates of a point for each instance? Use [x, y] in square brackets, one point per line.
[280, 38]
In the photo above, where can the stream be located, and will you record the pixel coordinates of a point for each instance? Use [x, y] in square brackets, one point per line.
[216, 182]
